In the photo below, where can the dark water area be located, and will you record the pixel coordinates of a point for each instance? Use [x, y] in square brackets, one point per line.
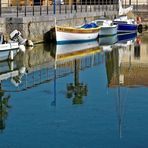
[77, 96]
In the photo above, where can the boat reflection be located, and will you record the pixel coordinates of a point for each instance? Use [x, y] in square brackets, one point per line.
[106, 43]
[66, 52]
[71, 55]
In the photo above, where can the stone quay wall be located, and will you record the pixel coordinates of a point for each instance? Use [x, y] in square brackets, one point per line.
[36, 28]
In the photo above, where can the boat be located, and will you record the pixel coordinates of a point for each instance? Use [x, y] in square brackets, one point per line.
[75, 50]
[107, 27]
[76, 34]
[5, 48]
[125, 24]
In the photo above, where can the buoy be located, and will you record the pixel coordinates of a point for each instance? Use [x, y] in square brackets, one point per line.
[138, 20]
[29, 43]
[138, 40]
[22, 48]
[22, 70]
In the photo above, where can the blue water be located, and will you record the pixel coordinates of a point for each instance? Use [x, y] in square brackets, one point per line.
[105, 117]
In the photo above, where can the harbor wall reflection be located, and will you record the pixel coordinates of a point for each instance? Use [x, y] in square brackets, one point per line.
[127, 64]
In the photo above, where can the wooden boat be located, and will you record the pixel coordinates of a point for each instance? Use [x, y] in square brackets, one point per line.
[74, 51]
[75, 34]
[107, 28]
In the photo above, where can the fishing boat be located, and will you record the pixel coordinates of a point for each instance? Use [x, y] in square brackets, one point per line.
[76, 34]
[107, 27]
[75, 50]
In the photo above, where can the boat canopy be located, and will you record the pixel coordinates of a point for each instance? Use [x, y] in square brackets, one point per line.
[90, 25]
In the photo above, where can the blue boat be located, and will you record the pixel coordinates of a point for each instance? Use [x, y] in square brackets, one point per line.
[127, 28]
[125, 25]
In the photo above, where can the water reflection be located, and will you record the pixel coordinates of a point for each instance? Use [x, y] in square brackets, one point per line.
[126, 66]
[106, 43]
[75, 56]
[8, 69]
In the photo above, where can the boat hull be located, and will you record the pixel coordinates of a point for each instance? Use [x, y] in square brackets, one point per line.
[5, 50]
[127, 28]
[75, 35]
[108, 31]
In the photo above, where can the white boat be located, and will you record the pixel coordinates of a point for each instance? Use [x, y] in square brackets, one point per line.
[107, 27]
[75, 35]
[74, 51]
[6, 49]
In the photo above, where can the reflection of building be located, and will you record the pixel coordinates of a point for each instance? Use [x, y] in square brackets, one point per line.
[127, 66]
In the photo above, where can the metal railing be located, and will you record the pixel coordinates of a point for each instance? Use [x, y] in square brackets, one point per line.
[31, 8]
[38, 9]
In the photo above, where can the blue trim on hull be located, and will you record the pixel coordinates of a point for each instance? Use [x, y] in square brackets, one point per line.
[74, 41]
[127, 27]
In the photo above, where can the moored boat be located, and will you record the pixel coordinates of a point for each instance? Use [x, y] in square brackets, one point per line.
[126, 25]
[107, 28]
[75, 34]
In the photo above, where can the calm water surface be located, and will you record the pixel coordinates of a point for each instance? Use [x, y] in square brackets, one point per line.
[92, 98]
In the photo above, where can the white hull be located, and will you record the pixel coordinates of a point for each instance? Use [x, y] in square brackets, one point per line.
[5, 50]
[76, 35]
[8, 46]
[108, 30]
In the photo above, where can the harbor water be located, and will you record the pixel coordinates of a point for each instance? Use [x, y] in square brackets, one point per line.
[86, 95]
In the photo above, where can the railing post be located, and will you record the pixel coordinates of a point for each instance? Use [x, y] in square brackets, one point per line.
[40, 7]
[25, 6]
[65, 8]
[33, 7]
[0, 8]
[85, 5]
[90, 5]
[17, 7]
[81, 5]
[47, 7]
